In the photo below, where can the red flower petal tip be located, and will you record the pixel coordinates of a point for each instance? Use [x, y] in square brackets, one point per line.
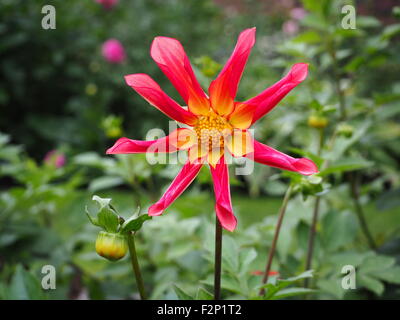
[156, 209]
[299, 72]
[117, 146]
[305, 166]
[136, 80]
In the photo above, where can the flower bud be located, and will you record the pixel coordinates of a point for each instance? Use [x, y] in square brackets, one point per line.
[317, 122]
[112, 246]
[345, 130]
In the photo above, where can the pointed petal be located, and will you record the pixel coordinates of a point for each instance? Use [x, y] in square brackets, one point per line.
[223, 206]
[197, 152]
[271, 157]
[214, 156]
[181, 182]
[242, 116]
[270, 97]
[170, 56]
[151, 91]
[183, 138]
[223, 89]
[175, 141]
[239, 143]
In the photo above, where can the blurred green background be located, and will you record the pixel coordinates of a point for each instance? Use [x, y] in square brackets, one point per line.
[59, 94]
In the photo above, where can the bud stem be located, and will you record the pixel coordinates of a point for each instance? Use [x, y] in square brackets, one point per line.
[135, 265]
[276, 235]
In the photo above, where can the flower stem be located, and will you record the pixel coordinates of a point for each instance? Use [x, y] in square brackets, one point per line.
[135, 265]
[218, 260]
[359, 210]
[313, 228]
[311, 237]
[276, 236]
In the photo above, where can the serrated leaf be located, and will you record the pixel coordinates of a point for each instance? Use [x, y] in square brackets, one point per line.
[203, 294]
[182, 295]
[134, 223]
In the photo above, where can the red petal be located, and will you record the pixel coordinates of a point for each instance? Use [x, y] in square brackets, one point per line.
[223, 206]
[170, 56]
[151, 91]
[270, 97]
[181, 182]
[166, 144]
[271, 157]
[223, 89]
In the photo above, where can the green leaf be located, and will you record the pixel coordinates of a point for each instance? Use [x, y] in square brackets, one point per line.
[344, 165]
[308, 37]
[391, 275]
[134, 223]
[93, 220]
[289, 292]
[107, 218]
[203, 294]
[24, 286]
[182, 295]
[304, 275]
[372, 284]
[246, 258]
[338, 229]
[106, 182]
[376, 264]
[331, 286]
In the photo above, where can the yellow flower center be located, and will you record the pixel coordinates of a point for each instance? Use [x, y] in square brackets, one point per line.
[211, 130]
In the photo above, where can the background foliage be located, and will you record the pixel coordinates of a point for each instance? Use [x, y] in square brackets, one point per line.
[58, 92]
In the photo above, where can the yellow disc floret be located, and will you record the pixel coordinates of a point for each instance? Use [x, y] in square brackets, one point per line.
[211, 130]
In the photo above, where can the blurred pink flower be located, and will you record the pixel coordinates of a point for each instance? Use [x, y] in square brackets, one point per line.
[56, 158]
[298, 13]
[107, 4]
[113, 51]
[290, 27]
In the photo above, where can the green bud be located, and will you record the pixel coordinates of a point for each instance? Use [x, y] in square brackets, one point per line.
[112, 246]
[317, 122]
[345, 130]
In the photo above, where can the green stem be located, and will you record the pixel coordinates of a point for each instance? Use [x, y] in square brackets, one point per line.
[359, 210]
[218, 260]
[311, 237]
[282, 211]
[313, 228]
[135, 265]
